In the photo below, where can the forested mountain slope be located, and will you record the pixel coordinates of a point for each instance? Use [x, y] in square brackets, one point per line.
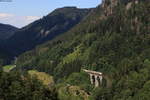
[47, 28]
[113, 39]
[14, 86]
[3, 57]
[6, 31]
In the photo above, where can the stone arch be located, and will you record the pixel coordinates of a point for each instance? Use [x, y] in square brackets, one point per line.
[93, 79]
[99, 81]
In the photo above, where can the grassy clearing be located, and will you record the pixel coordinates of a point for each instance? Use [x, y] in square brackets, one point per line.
[43, 77]
[8, 68]
[73, 93]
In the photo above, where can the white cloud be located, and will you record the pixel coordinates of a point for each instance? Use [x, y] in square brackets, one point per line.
[15, 20]
[31, 18]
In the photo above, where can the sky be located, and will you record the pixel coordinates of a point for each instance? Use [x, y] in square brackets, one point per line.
[22, 12]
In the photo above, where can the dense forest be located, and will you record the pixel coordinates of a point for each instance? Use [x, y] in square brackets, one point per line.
[114, 38]
[14, 86]
[5, 57]
[6, 31]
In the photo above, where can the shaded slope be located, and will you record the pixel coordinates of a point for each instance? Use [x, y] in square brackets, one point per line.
[57, 22]
[4, 57]
[6, 31]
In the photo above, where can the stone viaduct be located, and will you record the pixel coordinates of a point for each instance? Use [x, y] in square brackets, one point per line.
[96, 78]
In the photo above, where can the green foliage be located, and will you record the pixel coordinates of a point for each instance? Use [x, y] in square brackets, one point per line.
[46, 79]
[8, 68]
[72, 93]
[78, 79]
[100, 94]
[14, 86]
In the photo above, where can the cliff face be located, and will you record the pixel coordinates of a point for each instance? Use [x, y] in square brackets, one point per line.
[109, 5]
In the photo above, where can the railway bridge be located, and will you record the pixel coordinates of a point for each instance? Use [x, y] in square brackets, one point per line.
[97, 78]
